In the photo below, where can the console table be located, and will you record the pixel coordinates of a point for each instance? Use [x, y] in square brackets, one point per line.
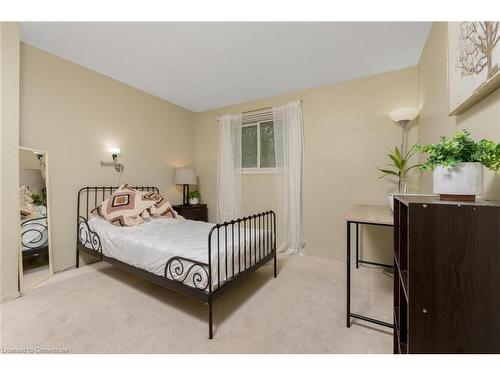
[365, 214]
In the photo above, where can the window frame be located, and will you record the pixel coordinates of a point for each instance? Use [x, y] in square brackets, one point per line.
[258, 169]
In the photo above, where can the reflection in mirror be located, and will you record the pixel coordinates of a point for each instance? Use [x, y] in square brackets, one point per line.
[33, 192]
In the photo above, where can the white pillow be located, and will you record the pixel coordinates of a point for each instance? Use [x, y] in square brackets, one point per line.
[40, 210]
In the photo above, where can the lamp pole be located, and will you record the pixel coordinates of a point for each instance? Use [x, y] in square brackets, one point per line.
[403, 123]
[185, 194]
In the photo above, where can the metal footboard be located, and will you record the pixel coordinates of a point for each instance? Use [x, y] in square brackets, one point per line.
[253, 243]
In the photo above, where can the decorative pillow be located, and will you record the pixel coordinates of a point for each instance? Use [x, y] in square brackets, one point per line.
[25, 201]
[145, 215]
[124, 207]
[161, 208]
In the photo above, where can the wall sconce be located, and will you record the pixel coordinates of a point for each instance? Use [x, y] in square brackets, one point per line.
[40, 158]
[115, 153]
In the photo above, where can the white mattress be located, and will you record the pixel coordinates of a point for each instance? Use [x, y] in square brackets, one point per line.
[150, 246]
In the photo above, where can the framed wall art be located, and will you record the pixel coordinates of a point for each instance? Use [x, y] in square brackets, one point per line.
[473, 63]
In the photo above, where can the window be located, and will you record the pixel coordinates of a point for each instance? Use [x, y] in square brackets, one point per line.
[257, 145]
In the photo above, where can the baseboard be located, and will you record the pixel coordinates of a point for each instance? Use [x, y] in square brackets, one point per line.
[10, 297]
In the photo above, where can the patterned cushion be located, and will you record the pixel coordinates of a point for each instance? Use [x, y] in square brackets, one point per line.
[161, 208]
[124, 207]
[25, 202]
[146, 215]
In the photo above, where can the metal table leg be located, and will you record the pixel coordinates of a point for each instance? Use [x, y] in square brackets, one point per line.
[357, 245]
[349, 314]
[348, 305]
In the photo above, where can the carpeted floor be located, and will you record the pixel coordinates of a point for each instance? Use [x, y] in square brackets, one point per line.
[100, 309]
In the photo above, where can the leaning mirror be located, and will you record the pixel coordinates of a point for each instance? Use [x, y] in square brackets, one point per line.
[34, 261]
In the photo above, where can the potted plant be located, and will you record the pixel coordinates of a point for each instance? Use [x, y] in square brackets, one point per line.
[399, 167]
[37, 201]
[458, 165]
[194, 197]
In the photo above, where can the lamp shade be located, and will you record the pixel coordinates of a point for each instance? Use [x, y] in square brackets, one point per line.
[404, 114]
[185, 176]
[114, 150]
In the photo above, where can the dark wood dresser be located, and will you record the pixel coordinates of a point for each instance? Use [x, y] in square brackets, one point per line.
[192, 211]
[446, 276]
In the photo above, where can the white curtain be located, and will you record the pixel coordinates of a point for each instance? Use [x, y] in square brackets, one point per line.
[229, 168]
[288, 144]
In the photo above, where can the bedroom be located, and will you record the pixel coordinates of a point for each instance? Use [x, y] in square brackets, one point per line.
[177, 106]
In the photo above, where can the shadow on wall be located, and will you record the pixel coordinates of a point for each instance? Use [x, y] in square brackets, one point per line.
[490, 103]
[376, 244]
[492, 189]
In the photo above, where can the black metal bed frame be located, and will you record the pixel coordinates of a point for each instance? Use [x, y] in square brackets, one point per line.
[261, 249]
[37, 246]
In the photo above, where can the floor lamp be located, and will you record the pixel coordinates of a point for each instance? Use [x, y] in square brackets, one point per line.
[402, 116]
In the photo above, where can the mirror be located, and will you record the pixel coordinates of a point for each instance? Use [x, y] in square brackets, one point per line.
[35, 261]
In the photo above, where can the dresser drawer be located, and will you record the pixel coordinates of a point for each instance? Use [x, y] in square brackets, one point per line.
[196, 213]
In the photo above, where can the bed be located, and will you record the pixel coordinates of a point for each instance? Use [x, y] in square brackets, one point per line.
[198, 259]
[34, 234]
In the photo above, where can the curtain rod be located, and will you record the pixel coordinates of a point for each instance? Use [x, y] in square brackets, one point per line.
[259, 109]
[264, 108]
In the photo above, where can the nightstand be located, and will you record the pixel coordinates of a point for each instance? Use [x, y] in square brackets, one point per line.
[192, 211]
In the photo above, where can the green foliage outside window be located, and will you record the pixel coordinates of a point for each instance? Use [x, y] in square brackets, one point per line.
[258, 145]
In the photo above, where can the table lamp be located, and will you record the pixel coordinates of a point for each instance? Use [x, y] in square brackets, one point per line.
[185, 177]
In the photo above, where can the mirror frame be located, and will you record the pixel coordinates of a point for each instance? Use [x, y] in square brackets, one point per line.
[49, 224]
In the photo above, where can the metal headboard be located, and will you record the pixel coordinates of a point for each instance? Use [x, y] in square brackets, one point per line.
[90, 196]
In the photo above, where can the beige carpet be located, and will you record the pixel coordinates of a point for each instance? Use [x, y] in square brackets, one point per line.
[34, 276]
[100, 309]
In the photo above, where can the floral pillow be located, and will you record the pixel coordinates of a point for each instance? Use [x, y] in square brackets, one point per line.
[161, 208]
[125, 207]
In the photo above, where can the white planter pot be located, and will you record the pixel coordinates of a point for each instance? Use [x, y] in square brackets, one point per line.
[463, 179]
[193, 200]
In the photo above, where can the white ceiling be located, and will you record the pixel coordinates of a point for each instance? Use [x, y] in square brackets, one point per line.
[202, 66]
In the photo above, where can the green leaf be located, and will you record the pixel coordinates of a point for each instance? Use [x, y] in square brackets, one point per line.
[410, 168]
[400, 163]
[388, 172]
[395, 161]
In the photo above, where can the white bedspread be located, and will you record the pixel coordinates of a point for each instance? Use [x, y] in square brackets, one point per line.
[150, 246]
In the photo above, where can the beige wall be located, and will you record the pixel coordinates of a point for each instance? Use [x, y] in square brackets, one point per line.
[347, 134]
[75, 114]
[9, 157]
[28, 160]
[483, 120]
